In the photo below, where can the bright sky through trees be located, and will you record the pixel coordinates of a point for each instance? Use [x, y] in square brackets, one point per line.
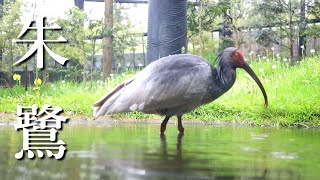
[138, 13]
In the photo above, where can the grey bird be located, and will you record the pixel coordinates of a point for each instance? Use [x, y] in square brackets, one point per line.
[175, 85]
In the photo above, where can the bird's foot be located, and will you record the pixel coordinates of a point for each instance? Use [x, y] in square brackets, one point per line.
[181, 130]
[162, 129]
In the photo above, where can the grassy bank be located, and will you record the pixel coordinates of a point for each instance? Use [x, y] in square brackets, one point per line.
[294, 96]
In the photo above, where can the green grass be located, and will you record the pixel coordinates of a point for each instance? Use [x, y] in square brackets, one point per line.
[293, 92]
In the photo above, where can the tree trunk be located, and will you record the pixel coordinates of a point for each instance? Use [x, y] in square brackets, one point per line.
[291, 36]
[200, 28]
[107, 50]
[302, 26]
[92, 62]
[84, 76]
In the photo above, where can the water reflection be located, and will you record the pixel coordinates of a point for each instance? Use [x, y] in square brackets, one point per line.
[164, 149]
[137, 152]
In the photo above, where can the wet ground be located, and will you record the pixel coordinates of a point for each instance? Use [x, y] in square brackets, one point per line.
[98, 150]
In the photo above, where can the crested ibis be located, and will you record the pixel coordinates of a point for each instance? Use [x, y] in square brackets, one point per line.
[175, 85]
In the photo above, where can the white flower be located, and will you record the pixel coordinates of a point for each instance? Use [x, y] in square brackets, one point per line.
[52, 85]
[302, 47]
[285, 59]
[123, 74]
[63, 81]
[264, 57]
[274, 66]
[312, 51]
[272, 48]
[267, 50]
[261, 70]
[259, 55]
[267, 59]
[111, 75]
[278, 55]
[251, 53]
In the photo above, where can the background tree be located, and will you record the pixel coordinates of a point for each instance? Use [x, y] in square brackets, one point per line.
[74, 30]
[202, 16]
[315, 9]
[236, 17]
[284, 21]
[10, 27]
[123, 38]
[95, 31]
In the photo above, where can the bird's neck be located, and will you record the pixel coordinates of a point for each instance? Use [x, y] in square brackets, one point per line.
[226, 76]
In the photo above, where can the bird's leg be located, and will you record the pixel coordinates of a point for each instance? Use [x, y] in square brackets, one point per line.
[164, 125]
[180, 127]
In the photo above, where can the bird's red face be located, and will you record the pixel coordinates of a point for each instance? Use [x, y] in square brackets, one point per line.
[237, 56]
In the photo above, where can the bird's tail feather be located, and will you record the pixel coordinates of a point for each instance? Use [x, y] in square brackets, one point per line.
[102, 106]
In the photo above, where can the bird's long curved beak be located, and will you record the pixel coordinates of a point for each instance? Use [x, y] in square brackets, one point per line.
[248, 69]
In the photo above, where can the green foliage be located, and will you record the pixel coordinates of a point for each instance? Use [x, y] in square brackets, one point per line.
[293, 92]
[74, 30]
[202, 19]
[123, 37]
[226, 42]
[9, 29]
[282, 18]
[312, 31]
[266, 37]
[212, 10]
[315, 9]
[209, 45]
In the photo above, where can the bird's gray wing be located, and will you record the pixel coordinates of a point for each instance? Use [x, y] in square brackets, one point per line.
[168, 84]
[98, 104]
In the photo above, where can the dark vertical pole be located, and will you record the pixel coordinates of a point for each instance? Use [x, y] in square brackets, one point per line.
[302, 26]
[153, 26]
[78, 3]
[167, 28]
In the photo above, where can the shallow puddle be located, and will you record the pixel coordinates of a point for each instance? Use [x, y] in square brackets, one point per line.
[138, 152]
